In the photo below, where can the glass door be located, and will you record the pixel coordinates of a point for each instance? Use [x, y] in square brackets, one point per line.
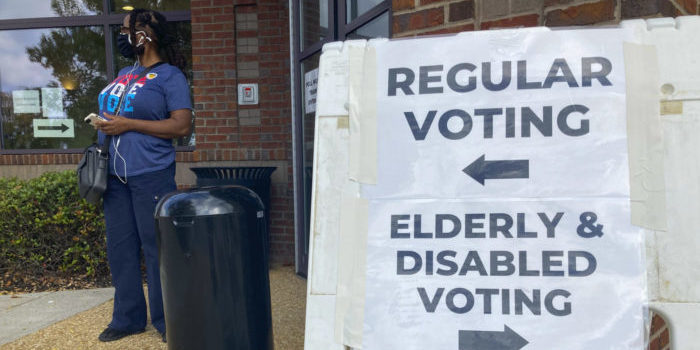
[316, 23]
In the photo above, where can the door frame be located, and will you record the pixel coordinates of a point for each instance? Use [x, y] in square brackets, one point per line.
[338, 31]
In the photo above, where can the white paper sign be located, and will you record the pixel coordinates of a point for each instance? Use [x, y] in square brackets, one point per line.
[574, 138]
[500, 218]
[52, 102]
[26, 101]
[443, 273]
[310, 90]
[53, 128]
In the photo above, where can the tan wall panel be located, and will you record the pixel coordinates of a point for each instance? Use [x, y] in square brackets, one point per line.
[26, 172]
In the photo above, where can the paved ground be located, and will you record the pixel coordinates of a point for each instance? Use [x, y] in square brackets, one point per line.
[24, 314]
[31, 312]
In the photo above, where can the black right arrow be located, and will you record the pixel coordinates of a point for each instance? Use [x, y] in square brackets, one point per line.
[479, 340]
[481, 169]
[62, 127]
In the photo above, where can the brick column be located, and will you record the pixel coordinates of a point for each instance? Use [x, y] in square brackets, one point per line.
[276, 120]
[246, 41]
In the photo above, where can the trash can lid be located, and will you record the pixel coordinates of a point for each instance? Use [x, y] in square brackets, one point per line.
[201, 201]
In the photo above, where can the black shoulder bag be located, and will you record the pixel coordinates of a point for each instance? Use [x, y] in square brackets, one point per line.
[93, 169]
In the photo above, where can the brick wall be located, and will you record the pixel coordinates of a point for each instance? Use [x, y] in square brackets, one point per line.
[658, 334]
[38, 159]
[425, 17]
[236, 42]
[276, 119]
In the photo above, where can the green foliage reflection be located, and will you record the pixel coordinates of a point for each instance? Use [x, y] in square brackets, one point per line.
[158, 5]
[76, 58]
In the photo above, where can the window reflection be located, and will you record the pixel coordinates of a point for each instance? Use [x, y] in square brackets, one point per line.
[314, 22]
[124, 6]
[356, 8]
[49, 80]
[50, 77]
[376, 28]
[309, 83]
[12, 9]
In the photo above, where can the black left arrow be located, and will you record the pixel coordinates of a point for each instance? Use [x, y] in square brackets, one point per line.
[482, 169]
[478, 340]
[62, 127]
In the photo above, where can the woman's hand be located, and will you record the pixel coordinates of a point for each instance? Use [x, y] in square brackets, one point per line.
[116, 125]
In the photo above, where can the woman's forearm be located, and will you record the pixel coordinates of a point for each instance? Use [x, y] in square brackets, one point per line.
[165, 129]
[178, 124]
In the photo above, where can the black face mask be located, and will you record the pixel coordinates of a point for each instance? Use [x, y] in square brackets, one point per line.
[125, 47]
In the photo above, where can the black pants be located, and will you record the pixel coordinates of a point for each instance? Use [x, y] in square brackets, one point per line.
[129, 210]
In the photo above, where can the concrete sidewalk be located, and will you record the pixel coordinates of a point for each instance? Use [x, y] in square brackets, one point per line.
[72, 320]
[23, 314]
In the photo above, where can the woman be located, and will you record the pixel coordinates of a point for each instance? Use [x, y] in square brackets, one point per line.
[143, 113]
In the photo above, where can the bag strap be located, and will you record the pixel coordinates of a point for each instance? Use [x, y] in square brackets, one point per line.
[108, 138]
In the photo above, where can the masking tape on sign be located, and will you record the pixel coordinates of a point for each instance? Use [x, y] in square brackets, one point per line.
[329, 167]
[332, 92]
[363, 110]
[644, 137]
[362, 101]
[350, 295]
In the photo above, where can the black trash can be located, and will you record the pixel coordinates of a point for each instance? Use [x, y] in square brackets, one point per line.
[213, 268]
[255, 178]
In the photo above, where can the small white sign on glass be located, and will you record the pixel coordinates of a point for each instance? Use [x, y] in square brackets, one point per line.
[25, 101]
[310, 90]
[52, 103]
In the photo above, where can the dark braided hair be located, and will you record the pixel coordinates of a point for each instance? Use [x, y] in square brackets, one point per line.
[166, 41]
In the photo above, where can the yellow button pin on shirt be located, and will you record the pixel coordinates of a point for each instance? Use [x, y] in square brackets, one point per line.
[150, 76]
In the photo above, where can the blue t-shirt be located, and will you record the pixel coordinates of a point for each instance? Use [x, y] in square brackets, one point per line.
[162, 90]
